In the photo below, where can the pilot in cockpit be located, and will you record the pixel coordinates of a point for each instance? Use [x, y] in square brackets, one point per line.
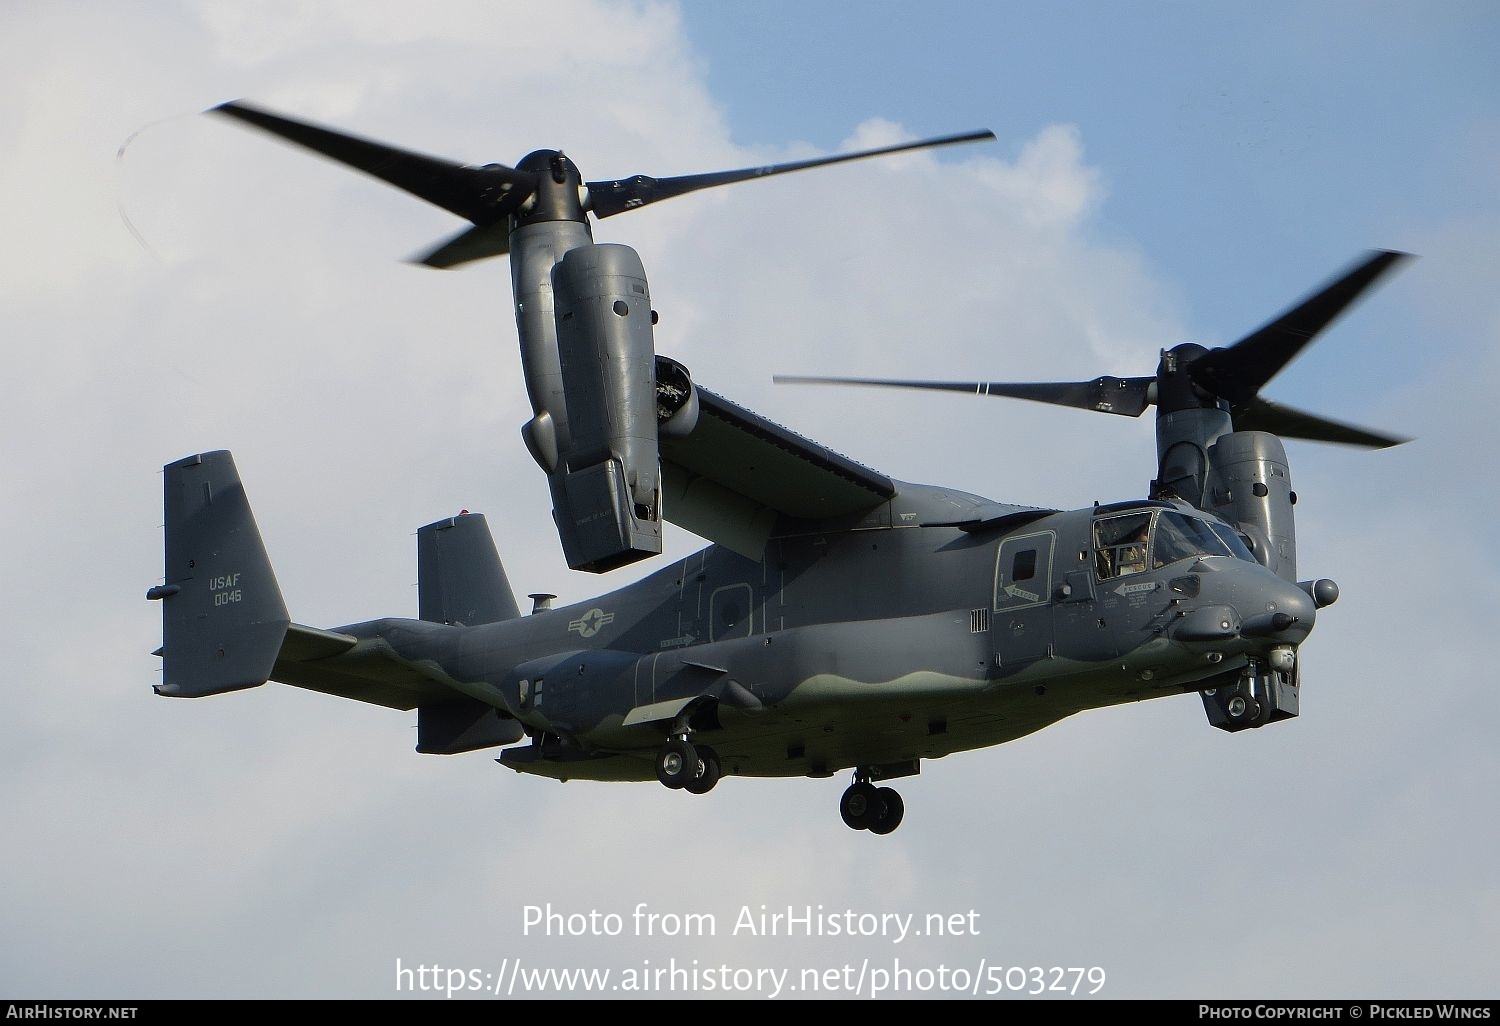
[1121, 544]
[1132, 554]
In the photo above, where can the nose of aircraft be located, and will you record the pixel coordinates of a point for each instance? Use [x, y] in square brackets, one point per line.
[1276, 611]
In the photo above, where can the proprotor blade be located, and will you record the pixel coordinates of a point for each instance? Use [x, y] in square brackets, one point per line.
[483, 195]
[1262, 415]
[1238, 372]
[1127, 397]
[609, 198]
[477, 243]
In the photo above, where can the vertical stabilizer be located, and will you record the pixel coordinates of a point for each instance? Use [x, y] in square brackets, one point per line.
[460, 581]
[459, 576]
[223, 618]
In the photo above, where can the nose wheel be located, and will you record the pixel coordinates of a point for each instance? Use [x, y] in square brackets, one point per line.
[867, 807]
[1243, 711]
[1260, 695]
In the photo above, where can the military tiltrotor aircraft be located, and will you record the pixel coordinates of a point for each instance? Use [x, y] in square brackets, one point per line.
[839, 620]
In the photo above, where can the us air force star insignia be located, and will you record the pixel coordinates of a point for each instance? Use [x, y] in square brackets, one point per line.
[589, 623]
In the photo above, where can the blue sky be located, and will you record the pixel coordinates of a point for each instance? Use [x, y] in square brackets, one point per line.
[1163, 172]
[1230, 138]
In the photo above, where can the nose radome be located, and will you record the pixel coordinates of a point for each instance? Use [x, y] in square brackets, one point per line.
[1288, 617]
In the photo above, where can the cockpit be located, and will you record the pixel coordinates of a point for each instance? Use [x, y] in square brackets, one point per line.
[1147, 539]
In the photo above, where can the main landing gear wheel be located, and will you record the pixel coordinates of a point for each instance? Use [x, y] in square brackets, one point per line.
[860, 806]
[867, 807]
[677, 764]
[892, 808]
[709, 771]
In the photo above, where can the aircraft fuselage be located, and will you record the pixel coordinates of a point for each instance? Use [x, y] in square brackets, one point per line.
[876, 644]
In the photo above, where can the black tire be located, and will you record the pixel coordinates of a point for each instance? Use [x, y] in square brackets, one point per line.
[892, 809]
[709, 772]
[677, 763]
[860, 806]
[1248, 716]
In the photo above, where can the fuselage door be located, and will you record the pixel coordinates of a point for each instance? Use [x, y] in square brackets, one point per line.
[1023, 596]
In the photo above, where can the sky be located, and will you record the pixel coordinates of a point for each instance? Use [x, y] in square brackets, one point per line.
[1163, 172]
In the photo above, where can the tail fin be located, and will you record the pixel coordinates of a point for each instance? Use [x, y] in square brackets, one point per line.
[459, 576]
[223, 618]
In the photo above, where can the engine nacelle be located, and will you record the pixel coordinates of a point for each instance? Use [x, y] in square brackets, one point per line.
[676, 399]
[1250, 485]
[606, 481]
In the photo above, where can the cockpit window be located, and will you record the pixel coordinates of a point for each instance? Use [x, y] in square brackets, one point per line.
[1236, 542]
[1181, 537]
[1130, 544]
[1120, 544]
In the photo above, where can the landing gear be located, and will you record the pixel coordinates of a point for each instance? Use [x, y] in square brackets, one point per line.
[1259, 695]
[677, 763]
[867, 807]
[1242, 711]
[859, 805]
[893, 809]
[683, 766]
[1234, 707]
[709, 772]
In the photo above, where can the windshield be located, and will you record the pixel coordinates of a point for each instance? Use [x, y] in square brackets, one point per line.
[1181, 537]
[1131, 543]
[1237, 544]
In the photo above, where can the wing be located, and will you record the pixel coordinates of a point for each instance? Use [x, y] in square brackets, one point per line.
[735, 473]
